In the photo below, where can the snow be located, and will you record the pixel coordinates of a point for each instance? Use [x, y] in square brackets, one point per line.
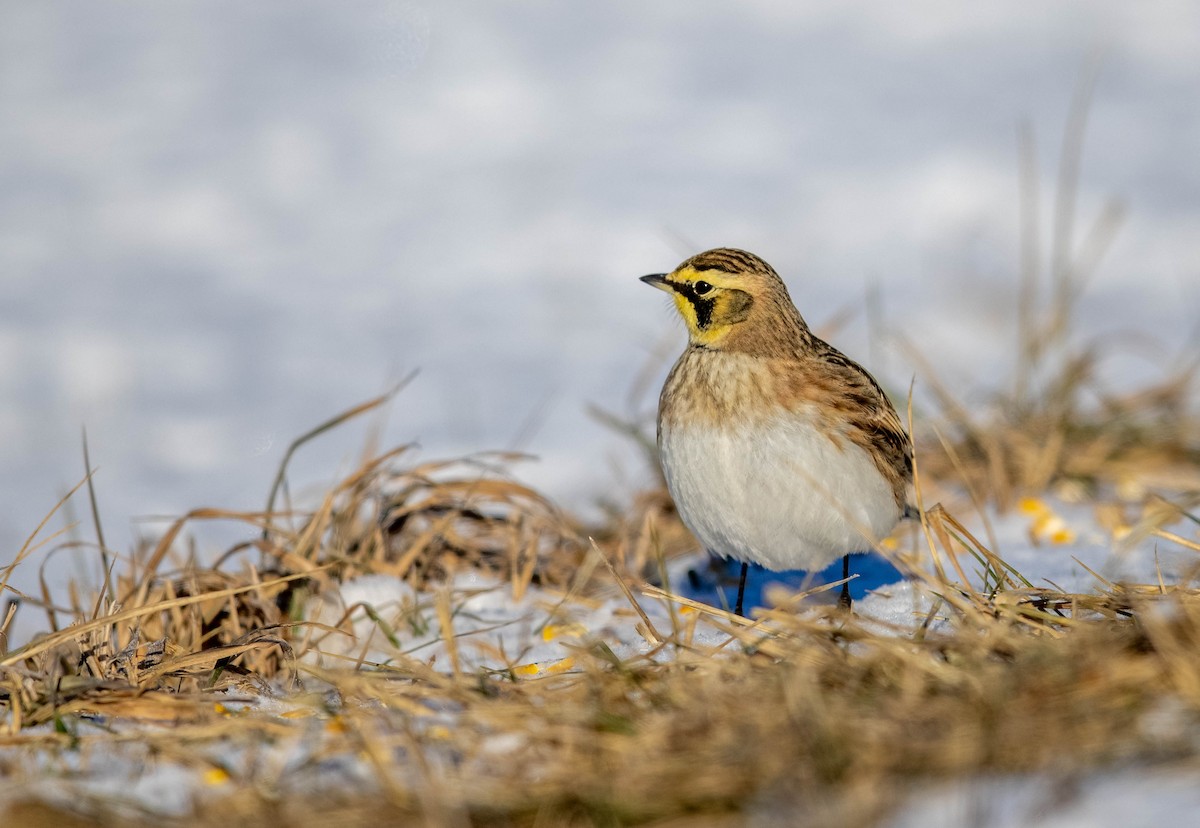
[1125, 798]
[540, 628]
[538, 633]
[222, 223]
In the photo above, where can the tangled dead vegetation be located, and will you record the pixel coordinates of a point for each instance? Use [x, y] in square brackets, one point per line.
[814, 716]
[268, 712]
[221, 670]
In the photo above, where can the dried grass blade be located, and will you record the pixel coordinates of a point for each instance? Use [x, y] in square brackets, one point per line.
[51, 641]
[331, 423]
[629, 596]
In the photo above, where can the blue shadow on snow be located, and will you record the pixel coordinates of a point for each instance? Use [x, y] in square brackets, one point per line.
[716, 582]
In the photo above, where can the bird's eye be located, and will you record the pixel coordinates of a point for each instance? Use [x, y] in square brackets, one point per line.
[702, 288]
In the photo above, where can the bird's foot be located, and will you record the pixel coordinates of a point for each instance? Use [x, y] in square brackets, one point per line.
[844, 598]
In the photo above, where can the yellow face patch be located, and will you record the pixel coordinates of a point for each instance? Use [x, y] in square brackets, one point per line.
[709, 302]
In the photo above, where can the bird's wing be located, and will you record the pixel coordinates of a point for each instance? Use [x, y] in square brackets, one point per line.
[861, 409]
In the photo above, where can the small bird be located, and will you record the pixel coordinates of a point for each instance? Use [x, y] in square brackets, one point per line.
[776, 447]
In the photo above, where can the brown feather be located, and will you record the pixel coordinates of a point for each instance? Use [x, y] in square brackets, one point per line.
[769, 363]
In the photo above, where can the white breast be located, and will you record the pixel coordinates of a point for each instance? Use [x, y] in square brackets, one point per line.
[780, 494]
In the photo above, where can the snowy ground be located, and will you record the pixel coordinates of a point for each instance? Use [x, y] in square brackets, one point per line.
[221, 223]
[1053, 545]
[1130, 798]
[536, 635]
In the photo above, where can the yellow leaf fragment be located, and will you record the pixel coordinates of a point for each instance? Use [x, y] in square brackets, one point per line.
[553, 631]
[336, 725]
[1033, 506]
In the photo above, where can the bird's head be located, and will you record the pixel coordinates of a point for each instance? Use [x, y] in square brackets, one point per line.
[729, 296]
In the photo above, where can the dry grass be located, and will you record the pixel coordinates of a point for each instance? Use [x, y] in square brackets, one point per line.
[813, 716]
[1078, 438]
[1058, 424]
[810, 716]
[806, 716]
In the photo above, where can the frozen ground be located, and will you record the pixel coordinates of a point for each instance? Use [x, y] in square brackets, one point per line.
[1128, 798]
[222, 222]
[1052, 545]
[536, 635]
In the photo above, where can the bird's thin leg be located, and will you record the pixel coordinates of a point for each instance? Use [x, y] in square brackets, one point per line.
[742, 590]
[844, 598]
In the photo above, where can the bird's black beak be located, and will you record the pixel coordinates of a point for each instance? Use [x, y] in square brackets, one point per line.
[658, 280]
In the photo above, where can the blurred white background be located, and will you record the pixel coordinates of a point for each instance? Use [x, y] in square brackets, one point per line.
[223, 222]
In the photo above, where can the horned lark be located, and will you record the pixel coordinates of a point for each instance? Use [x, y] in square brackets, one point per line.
[777, 449]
